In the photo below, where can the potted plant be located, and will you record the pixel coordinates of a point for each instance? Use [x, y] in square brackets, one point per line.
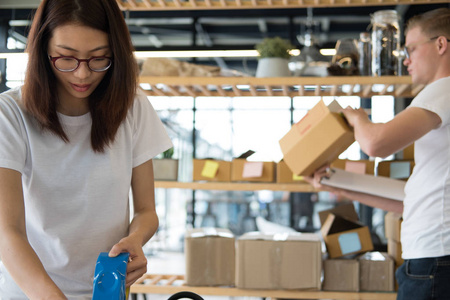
[273, 57]
[166, 168]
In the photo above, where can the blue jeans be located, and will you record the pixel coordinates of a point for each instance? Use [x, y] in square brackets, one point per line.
[424, 279]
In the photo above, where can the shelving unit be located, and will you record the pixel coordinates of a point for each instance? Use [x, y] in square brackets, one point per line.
[171, 284]
[362, 86]
[256, 4]
[232, 186]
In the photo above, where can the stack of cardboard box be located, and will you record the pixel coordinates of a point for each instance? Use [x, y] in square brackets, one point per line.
[349, 246]
[368, 272]
[278, 261]
[255, 261]
[392, 226]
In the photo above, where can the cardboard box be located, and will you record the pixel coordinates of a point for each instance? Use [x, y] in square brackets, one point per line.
[253, 171]
[317, 139]
[394, 249]
[408, 152]
[341, 275]
[355, 166]
[397, 169]
[165, 169]
[285, 175]
[210, 257]
[278, 261]
[342, 233]
[392, 225]
[211, 170]
[376, 271]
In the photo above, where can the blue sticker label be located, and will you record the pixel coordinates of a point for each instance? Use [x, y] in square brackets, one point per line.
[349, 243]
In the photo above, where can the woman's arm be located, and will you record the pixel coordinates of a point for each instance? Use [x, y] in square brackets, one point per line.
[370, 200]
[144, 224]
[17, 254]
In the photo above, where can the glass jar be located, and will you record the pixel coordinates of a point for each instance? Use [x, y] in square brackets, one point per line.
[385, 42]
[365, 54]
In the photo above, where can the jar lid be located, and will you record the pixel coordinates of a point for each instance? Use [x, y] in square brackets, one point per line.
[385, 16]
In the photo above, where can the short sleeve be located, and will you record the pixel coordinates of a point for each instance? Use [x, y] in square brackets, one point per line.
[13, 134]
[149, 137]
[435, 98]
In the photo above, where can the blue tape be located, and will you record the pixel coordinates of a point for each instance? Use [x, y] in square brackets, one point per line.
[109, 278]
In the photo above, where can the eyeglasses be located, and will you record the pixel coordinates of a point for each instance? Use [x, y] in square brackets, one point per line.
[71, 63]
[408, 50]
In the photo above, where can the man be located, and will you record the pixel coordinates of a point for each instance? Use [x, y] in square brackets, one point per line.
[426, 122]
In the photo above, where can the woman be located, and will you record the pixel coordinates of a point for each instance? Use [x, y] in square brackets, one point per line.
[75, 138]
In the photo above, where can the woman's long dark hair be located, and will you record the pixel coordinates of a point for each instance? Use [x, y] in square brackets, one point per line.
[112, 98]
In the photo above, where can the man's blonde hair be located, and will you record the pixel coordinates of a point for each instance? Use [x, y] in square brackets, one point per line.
[432, 23]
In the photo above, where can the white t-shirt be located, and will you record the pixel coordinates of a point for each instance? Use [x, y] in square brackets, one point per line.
[426, 214]
[76, 200]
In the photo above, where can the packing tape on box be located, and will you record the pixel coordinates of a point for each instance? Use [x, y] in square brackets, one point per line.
[275, 263]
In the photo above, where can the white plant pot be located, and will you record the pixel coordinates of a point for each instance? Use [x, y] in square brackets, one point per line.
[273, 67]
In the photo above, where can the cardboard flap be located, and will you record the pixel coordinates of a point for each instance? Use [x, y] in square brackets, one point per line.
[345, 210]
[246, 154]
[326, 224]
[335, 224]
[288, 236]
[375, 256]
[334, 106]
[208, 232]
[341, 224]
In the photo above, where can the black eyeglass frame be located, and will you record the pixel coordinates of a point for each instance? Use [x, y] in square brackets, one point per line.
[79, 61]
[433, 38]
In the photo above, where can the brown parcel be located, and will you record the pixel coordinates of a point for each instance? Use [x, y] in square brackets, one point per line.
[341, 275]
[237, 168]
[342, 233]
[376, 271]
[223, 173]
[278, 261]
[285, 175]
[392, 225]
[349, 165]
[165, 169]
[397, 169]
[210, 257]
[318, 138]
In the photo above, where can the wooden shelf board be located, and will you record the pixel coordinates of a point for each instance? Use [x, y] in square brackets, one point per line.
[236, 186]
[148, 5]
[165, 284]
[362, 86]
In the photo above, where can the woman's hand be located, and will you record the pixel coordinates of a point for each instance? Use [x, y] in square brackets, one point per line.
[137, 264]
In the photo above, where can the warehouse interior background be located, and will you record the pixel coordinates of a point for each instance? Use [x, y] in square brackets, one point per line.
[225, 127]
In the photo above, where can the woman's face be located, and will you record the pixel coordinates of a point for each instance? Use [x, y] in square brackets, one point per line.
[75, 87]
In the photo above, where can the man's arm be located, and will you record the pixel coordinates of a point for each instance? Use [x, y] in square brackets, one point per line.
[384, 139]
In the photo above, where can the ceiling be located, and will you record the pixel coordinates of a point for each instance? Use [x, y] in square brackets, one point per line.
[222, 29]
